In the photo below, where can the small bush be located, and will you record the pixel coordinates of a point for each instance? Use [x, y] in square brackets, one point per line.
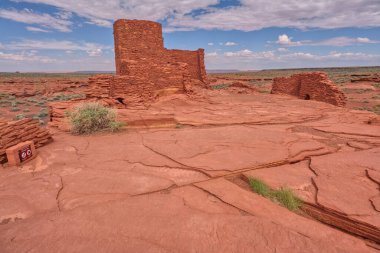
[93, 117]
[284, 196]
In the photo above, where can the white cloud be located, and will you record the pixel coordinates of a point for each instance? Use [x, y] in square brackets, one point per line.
[247, 59]
[246, 53]
[36, 29]
[210, 44]
[213, 54]
[258, 14]
[104, 13]
[29, 17]
[248, 16]
[55, 45]
[95, 52]
[230, 43]
[363, 40]
[285, 40]
[25, 57]
[281, 49]
[343, 41]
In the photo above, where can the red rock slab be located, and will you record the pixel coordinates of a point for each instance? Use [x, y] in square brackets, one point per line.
[164, 223]
[266, 210]
[297, 177]
[351, 129]
[343, 184]
[345, 194]
[222, 149]
[25, 195]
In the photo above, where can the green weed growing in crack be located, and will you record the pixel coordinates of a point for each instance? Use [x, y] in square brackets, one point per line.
[284, 196]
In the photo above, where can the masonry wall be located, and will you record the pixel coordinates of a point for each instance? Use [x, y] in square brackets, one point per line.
[140, 54]
[15, 132]
[194, 60]
[313, 85]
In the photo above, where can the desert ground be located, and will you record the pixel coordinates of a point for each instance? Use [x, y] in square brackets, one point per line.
[183, 173]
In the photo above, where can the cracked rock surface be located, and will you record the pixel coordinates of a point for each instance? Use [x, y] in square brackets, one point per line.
[174, 189]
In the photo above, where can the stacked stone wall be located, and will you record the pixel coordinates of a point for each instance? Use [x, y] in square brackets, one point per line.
[313, 85]
[15, 132]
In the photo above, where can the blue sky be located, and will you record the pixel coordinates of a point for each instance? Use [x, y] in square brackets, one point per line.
[76, 35]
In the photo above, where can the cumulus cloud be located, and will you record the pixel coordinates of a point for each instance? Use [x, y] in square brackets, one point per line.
[29, 17]
[210, 44]
[285, 40]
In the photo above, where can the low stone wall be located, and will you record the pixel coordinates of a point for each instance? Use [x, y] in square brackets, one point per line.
[15, 132]
[314, 86]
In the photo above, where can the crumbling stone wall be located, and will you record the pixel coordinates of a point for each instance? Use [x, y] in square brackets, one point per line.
[313, 85]
[140, 52]
[144, 68]
[15, 132]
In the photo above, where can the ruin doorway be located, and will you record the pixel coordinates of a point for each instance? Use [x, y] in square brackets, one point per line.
[307, 97]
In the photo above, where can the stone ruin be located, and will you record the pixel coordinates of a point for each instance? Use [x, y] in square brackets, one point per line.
[145, 68]
[15, 132]
[313, 85]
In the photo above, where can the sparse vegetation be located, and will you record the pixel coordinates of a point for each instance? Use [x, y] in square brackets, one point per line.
[88, 118]
[284, 196]
[20, 116]
[219, 86]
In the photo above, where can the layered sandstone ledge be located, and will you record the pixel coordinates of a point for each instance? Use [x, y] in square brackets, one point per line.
[314, 86]
[15, 132]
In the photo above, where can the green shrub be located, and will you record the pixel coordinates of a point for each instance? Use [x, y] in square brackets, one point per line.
[284, 196]
[92, 117]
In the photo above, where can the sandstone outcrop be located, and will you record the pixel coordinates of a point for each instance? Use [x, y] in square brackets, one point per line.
[314, 86]
[183, 180]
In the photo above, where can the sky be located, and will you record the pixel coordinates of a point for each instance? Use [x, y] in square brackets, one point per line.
[76, 35]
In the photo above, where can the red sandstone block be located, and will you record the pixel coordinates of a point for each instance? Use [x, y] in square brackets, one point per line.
[21, 153]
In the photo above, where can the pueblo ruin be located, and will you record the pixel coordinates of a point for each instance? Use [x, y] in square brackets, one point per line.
[314, 86]
[145, 68]
[177, 178]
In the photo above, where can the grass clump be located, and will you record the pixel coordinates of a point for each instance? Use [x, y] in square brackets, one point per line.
[260, 187]
[92, 117]
[288, 199]
[284, 196]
